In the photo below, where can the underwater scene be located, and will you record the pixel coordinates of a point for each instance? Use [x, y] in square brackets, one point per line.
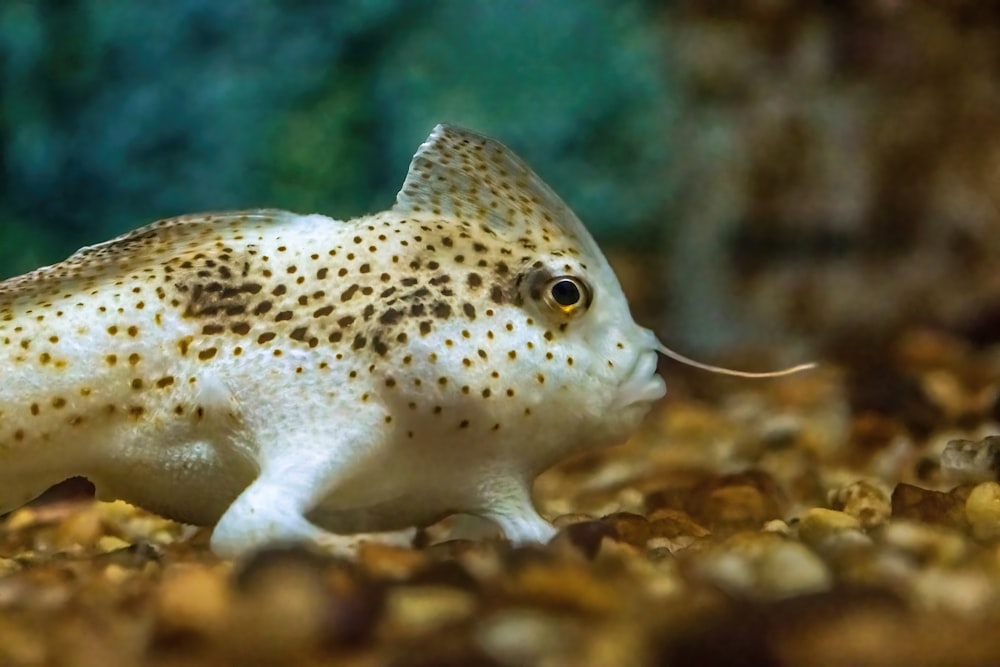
[398, 332]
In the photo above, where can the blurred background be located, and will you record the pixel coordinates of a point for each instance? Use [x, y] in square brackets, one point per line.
[789, 174]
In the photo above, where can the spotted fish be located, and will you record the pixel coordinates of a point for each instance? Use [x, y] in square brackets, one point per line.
[299, 378]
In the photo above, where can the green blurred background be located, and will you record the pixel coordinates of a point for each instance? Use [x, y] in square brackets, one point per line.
[761, 172]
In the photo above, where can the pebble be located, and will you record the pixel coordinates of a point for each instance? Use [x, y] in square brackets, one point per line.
[115, 574]
[865, 501]
[631, 500]
[587, 536]
[20, 519]
[80, 530]
[660, 549]
[449, 549]
[734, 507]
[415, 610]
[960, 591]
[874, 569]
[282, 606]
[819, 525]
[870, 433]
[522, 636]
[764, 566]
[562, 585]
[945, 390]
[777, 526]
[982, 510]
[449, 572]
[191, 601]
[791, 569]
[394, 562]
[630, 528]
[925, 543]
[671, 523]
[913, 502]
[107, 543]
[780, 431]
[972, 460]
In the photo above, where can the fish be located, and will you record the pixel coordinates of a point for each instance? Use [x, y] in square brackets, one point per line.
[297, 378]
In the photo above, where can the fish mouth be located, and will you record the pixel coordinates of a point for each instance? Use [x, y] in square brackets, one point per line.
[642, 385]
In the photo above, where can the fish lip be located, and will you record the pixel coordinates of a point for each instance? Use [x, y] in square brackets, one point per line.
[642, 385]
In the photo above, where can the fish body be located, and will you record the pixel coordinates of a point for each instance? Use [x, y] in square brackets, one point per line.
[296, 377]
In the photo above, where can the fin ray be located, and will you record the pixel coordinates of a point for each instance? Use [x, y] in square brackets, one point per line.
[459, 173]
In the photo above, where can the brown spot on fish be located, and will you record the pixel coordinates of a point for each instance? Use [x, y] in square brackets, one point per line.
[349, 293]
[390, 316]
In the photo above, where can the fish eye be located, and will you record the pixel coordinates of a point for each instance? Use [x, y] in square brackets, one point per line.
[568, 295]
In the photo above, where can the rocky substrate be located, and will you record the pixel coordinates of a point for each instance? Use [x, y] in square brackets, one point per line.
[836, 517]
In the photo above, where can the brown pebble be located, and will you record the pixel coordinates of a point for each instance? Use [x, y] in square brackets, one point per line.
[676, 489]
[263, 563]
[819, 524]
[631, 528]
[412, 611]
[445, 573]
[913, 502]
[390, 561]
[982, 510]
[736, 502]
[352, 616]
[192, 601]
[671, 524]
[742, 633]
[528, 555]
[871, 433]
[355, 605]
[282, 607]
[562, 585]
[736, 507]
[588, 535]
[81, 529]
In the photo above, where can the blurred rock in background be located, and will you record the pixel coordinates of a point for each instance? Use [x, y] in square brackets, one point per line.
[761, 172]
[841, 169]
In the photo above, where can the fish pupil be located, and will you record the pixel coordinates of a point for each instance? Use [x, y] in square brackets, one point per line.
[566, 292]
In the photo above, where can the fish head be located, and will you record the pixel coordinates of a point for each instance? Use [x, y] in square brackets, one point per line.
[544, 298]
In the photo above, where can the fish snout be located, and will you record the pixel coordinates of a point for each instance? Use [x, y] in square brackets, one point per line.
[642, 384]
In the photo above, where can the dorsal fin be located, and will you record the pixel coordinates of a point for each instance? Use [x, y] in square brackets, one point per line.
[458, 173]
